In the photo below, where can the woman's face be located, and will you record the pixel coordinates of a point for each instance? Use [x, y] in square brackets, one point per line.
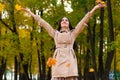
[64, 22]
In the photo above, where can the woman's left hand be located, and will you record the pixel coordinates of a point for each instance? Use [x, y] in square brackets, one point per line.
[100, 5]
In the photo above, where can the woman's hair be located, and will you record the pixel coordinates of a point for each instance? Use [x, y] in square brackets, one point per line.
[59, 24]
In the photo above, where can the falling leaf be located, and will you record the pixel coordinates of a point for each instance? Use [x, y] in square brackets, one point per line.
[68, 65]
[91, 70]
[17, 7]
[1, 6]
[51, 61]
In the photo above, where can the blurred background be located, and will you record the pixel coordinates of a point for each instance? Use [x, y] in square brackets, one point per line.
[25, 46]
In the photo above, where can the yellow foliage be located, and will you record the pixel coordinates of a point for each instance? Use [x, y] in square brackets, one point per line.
[1, 6]
[18, 7]
[24, 33]
[118, 66]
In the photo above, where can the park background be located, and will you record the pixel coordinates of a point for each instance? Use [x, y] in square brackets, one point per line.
[25, 46]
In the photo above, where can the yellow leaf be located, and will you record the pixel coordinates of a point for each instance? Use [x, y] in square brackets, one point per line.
[17, 7]
[1, 6]
[91, 70]
[68, 65]
[102, 2]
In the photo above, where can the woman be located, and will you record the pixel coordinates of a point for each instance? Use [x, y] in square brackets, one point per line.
[66, 65]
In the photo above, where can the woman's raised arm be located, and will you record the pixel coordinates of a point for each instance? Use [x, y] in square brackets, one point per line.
[81, 25]
[41, 22]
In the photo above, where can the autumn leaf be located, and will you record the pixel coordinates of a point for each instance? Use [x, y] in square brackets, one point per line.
[91, 70]
[100, 1]
[51, 61]
[17, 7]
[1, 6]
[68, 65]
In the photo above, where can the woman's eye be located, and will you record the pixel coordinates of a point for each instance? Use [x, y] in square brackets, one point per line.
[64, 19]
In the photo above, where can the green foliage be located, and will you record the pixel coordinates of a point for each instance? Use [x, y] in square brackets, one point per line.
[111, 46]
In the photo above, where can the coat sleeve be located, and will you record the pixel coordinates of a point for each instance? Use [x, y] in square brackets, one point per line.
[81, 25]
[45, 25]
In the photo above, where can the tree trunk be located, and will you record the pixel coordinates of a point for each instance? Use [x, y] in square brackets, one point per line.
[30, 68]
[49, 74]
[2, 66]
[110, 54]
[24, 74]
[86, 68]
[43, 67]
[15, 67]
[39, 62]
[100, 65]
[2, 60]
[91, 38]
[92, 42]
[43, 62]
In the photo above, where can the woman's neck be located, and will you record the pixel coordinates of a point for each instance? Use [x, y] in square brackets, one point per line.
[64, 30]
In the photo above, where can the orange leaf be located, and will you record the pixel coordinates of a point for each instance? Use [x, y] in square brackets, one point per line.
[100, 1]
[51, 61]
[68, 65]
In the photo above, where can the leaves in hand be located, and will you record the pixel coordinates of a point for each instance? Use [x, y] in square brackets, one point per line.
[100, 2]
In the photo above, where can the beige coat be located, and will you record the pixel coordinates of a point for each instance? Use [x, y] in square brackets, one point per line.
[66, 64]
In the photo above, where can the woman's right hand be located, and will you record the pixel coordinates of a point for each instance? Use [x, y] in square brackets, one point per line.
[26, 9]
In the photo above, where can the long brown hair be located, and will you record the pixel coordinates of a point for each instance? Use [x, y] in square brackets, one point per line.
[59, 24]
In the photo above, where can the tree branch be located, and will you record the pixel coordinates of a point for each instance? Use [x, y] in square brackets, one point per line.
[6, 25]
